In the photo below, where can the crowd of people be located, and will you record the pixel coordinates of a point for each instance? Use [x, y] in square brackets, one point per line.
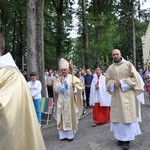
[118, 88]
[82, 89]
[114, 96]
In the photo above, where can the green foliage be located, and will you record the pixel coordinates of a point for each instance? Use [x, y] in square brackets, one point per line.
[102, 31]
[58, 19]
[109, 27]
[109, 24]
[13, 25]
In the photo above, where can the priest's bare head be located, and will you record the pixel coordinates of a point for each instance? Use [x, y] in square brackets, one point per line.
[116, 55]
[2, 44]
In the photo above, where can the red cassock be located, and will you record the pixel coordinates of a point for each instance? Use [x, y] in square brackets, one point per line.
[101, 114]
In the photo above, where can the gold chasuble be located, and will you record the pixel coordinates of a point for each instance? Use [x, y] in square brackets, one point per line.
[68, 107]
[125, 106]
[19, 128]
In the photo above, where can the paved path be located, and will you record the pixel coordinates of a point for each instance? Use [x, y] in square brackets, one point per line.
[97, 138]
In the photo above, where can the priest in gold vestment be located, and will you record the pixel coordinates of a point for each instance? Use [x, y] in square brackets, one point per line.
[19, 128]
[124, 84]
[68, 90]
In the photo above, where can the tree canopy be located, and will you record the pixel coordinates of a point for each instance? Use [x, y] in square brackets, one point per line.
[102, 26]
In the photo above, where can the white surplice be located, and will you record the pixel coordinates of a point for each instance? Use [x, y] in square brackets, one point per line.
[127, 131]
[99, 95]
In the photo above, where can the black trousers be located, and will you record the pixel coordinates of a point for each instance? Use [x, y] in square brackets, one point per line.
[87, 92]
[50, 91]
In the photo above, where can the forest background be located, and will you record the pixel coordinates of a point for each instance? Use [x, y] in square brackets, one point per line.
[37, 32]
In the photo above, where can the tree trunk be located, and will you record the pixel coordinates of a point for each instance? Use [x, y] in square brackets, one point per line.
[21, 43]
[59, 5]
[4, 21]
[35, 44]
[40, 43]
[97, 5]
[97, 35]
[134, 40]
[85, 34]
[31, 37]
[14, 35]
[59, 40]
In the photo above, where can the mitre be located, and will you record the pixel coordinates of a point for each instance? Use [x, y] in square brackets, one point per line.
[63, 64]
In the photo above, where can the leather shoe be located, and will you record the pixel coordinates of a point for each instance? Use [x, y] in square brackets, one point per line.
[64, 139]
[125, 146]
[119, 143]
[94, 125]
[70, 140]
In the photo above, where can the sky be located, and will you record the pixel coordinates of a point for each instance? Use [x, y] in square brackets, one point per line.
[145, 5]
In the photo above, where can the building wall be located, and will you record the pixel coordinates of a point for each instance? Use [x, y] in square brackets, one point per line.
[146, 46]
